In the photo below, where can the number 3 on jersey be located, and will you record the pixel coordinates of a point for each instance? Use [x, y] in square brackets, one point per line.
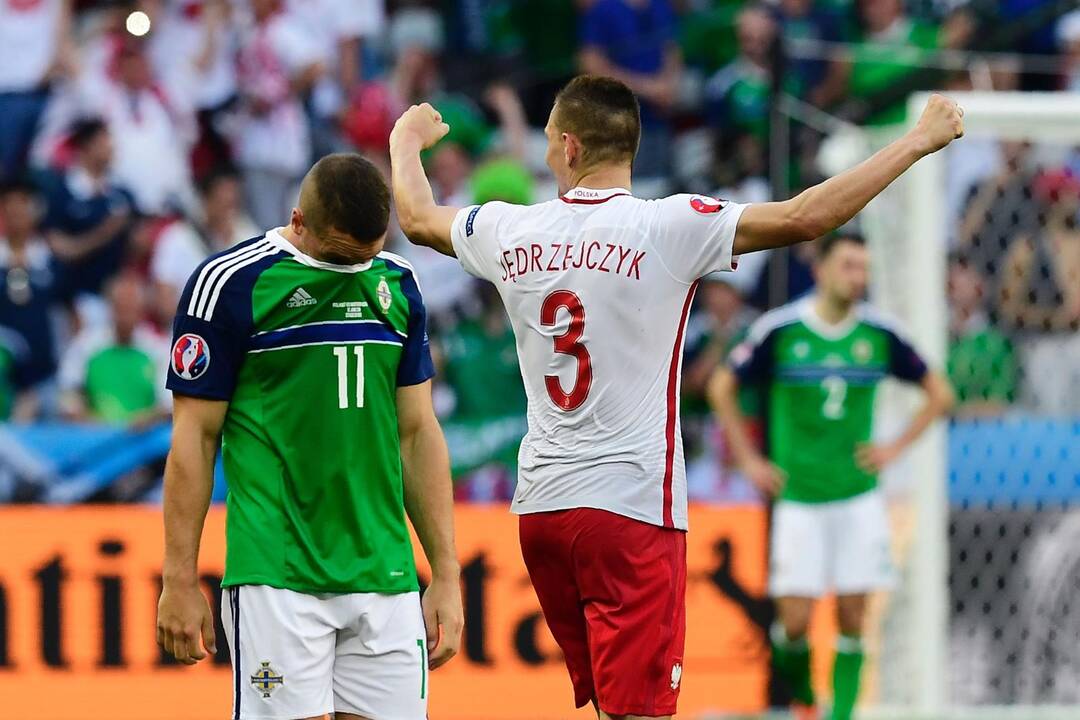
[569, 343]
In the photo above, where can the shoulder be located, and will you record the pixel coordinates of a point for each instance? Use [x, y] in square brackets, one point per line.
[147, 339]
[879, 319]
[87, 343]
[408, 280]
[487, 216]
[227, 272]
[691, 204]
[398, 263]
[774, 320]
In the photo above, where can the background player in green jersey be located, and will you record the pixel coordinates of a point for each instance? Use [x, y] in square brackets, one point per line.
[305, 351]
[820, 360]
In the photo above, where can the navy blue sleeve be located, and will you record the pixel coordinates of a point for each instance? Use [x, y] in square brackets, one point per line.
[416, 365]
[752, 359]
[55, 199]
[904, 362]
[210, 339]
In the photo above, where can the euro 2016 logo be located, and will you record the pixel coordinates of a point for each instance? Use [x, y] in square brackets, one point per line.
[190, 357]
[706, 205]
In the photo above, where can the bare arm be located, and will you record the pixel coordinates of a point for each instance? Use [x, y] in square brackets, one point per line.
[183, 612]
[940, 399]
[422, 221]
[430, 505]
[75, 247]
[349, 63]
[660, 88]
[722, 394]
[828, 205]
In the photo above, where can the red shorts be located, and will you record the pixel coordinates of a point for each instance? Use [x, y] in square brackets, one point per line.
[613, 592]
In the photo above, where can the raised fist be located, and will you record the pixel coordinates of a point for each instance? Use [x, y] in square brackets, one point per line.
[422, 122]
[942, 122]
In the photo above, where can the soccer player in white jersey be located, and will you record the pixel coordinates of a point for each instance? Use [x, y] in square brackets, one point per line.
[598, 284]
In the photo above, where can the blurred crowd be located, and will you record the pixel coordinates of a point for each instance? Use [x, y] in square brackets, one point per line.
[136, 138]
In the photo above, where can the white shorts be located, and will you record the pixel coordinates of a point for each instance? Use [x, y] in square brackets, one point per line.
[296, 655]
[842, 546]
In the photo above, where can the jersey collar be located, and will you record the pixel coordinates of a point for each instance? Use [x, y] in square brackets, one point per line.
[824, 329]
[277, 240]
[589, 196]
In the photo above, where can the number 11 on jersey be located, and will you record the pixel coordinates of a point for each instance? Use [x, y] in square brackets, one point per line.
[342, 355]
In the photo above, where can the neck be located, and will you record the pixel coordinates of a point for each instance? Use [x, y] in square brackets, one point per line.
[300, 243]
[602, 178]
[17, 241]
[831, 309]
[95, 173]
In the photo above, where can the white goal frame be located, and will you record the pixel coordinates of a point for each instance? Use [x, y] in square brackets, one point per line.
[1037, 117]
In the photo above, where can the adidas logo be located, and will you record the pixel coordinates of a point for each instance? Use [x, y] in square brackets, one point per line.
[300, 298]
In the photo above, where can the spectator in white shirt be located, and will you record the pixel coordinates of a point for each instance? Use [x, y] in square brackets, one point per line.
[152, 130]
[193, 49]
[34, 36]
[279, 64]
[340, 28]
[186, 243]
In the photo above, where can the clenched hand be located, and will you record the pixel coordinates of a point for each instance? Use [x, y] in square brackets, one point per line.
[183, 620]
[941, 122]
[423, 123]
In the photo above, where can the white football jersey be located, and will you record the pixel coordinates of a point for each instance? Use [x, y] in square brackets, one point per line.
[598, 285]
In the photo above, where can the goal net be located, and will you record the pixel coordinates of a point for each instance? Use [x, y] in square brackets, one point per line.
[976, 252]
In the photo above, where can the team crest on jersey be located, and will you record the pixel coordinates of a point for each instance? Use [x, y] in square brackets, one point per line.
[384, 294]
[676, 675]
[190, 357]
[862, 351]
[706, 205]
[266, 680]
[801, 349]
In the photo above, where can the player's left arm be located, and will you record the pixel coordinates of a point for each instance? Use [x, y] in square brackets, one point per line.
[939, 401]
[422, 220]
[430, 505]
[823, 208]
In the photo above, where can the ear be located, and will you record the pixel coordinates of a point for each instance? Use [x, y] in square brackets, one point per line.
[571, 149]
[296, 221]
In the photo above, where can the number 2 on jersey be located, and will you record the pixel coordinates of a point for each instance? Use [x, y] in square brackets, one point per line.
[569, 343]
[342, 355]
[835, 391]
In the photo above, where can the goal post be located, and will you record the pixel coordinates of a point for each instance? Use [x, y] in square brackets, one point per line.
[930, 660]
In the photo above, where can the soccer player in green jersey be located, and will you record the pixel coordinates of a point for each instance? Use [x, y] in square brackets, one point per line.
[820, 359]
[305, 351]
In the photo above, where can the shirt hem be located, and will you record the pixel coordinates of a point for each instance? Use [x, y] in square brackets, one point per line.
[313, 590]
[554, 506]
[819, 500]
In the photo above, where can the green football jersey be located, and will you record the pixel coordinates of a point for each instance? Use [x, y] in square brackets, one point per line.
[309, 356]
[820, 381]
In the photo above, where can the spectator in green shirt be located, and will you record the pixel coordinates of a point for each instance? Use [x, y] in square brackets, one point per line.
[981, 363]
[892, 46]
[116, 374]
[481, 363]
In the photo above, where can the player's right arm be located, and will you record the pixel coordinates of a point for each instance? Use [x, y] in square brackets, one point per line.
[421, 219]
[210, 330]
[750, 361]
[183, 613]
[821, 209]
[722, 392]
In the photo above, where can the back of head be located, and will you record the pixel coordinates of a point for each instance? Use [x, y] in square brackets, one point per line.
[604, 115]
[345, 204]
